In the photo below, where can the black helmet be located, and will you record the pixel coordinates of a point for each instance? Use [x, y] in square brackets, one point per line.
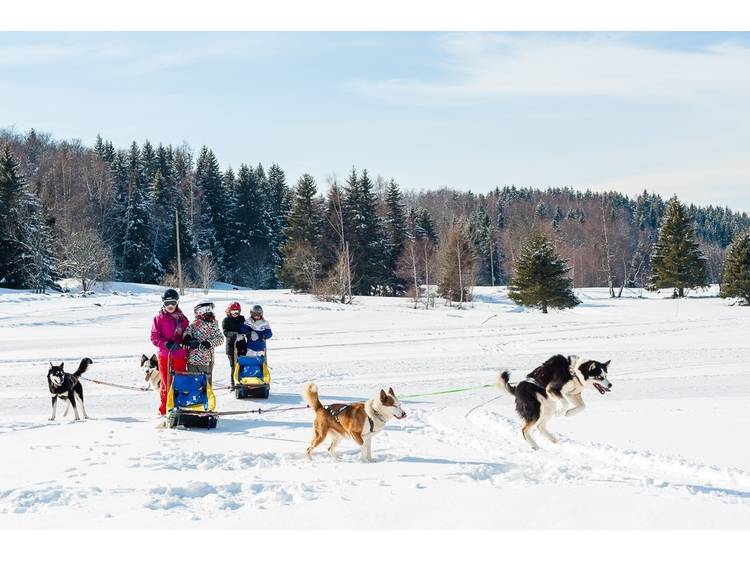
[170, 295]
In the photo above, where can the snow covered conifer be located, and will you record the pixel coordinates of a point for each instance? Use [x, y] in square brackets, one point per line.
[364, 230]
[541, 279]
[279, 203]
[210, 233]
[677, 260]
[304, 233]
[27, 258]
[736, 282]
[396, 230]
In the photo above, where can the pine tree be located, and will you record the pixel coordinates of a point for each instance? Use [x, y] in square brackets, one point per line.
[139, 264]
[150, 162]
[425, 226]
[367, 241]
[396, 230]
[541, 278]
[27, 257]
[279, 203]
[490, 255]
[11, 188]
[231, 242]
[301, 267]
[251, 229]
[677, 260]
[211, 231]
[736, 282]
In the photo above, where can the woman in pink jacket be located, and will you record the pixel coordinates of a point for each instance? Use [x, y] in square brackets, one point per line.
[166, 334]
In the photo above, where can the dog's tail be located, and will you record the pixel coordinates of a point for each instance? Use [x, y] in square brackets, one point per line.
[85, 362]
[503, 384]
[310, 394]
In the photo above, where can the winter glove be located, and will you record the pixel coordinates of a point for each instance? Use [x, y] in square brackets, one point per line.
[254, 336]
[193, 343]
[186, 340]
[172, 346]
[206, 345]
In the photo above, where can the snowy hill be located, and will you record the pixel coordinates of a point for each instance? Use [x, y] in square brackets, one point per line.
[664, 449]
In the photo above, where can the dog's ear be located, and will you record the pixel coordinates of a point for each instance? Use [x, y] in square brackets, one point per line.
[606, 363]
[592, 367]
[50, 364]
[383, 395]
[143, 358]
[154, 358]
[390, 391]
[62, 365]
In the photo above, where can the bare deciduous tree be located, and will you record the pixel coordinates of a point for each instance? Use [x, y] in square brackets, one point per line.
[337, 287]
[206, 271]
[87, 258]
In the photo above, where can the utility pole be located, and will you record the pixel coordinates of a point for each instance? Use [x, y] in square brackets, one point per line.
[179, 261]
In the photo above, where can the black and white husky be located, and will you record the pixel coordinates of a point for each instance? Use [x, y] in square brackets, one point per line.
[559, 380]
[66, 386]
[150, 366]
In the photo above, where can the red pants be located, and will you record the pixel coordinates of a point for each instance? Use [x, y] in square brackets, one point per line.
[178, 364]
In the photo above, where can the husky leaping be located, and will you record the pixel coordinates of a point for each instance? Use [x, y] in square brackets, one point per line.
[558, 380]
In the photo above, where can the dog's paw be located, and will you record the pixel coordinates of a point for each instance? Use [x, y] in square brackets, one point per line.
[50, 419]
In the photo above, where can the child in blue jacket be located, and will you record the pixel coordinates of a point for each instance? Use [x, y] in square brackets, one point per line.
[257, 330]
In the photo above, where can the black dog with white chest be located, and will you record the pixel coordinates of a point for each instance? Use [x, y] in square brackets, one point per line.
[67, 386]
[560, 379]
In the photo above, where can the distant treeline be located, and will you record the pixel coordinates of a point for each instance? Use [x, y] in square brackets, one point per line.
[75, 209]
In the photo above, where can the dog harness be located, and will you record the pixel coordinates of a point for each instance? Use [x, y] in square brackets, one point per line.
[337, 413]
[534, 382]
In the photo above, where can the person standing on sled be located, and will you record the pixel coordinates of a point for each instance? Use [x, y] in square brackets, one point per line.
[166, 333]
[201, 337]
[231, 328]
[256, 331]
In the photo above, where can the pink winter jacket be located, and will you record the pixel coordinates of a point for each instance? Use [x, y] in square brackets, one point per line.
[164, 330]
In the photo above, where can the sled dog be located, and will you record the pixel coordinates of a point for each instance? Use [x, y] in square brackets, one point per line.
[558, 380]
[66, 386]
[360, 420]
[150, 366]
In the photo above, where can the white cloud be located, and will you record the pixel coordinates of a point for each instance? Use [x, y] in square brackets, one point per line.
[130, 54]
[484, 66]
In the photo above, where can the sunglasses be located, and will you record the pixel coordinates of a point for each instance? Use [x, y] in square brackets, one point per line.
[234, 311]
[170, 303]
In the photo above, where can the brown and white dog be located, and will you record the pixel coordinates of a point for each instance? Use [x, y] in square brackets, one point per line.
[150, 366]
[360, 420]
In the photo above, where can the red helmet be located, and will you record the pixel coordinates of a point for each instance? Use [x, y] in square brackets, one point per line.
[234, 306]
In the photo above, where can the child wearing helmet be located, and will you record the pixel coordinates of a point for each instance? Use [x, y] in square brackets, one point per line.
[201, 337]
[231, 327]
[166, 333]
[256, 330]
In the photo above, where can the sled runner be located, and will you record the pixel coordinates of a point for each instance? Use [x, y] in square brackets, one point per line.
[190, 401]
[252, 377]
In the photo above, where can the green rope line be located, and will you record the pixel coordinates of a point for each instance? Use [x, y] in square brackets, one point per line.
[447, 391]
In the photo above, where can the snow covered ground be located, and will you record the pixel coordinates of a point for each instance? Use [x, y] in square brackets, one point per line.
[667, 448]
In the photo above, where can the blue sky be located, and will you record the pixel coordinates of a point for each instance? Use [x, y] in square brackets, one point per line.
[667, 112]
